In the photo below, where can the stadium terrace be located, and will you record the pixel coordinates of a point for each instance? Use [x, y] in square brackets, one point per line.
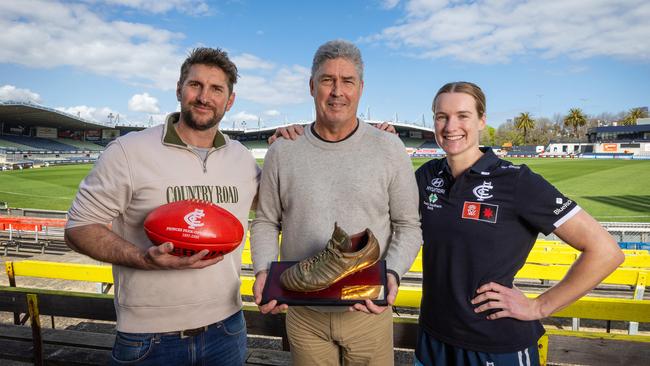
[32, 135]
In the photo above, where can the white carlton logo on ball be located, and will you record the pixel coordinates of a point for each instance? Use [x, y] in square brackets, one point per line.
[193, 219]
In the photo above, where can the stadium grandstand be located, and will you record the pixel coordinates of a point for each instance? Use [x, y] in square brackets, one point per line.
[608, 142]
[419, 140]
[33, 135]
[605, 142]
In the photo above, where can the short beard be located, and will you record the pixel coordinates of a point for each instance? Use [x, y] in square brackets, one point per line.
[188, 118]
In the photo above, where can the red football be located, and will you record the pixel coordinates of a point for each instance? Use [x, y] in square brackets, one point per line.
[194, 225]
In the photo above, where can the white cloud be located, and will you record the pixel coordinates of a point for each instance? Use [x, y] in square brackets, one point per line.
[498, 31]
[420, 7]
[241, 119]
[289, 85]
[156, 119]
[194, 7]
[272, 113]
[94, 114]
[49, 34]
[10, 92]
[389, 4]
[242, 116]
[144, 103]
[246, 61]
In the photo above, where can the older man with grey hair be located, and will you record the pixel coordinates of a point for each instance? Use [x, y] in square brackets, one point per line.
[341, 170]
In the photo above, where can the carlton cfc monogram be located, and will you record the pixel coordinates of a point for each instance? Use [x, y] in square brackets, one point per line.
[193, 219]
[482, 192]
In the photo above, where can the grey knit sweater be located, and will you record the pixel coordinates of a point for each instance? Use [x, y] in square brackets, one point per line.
[365, 181]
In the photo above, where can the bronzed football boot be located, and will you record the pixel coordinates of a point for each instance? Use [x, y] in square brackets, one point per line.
[342, 256]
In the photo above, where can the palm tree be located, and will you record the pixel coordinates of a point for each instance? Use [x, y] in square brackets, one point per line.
[524, 122]
[575, 119]
[633, 115]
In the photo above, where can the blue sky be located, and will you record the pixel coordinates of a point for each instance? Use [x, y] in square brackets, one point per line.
[94, 58]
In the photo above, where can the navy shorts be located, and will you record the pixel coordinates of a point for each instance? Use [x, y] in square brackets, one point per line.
[430, 351]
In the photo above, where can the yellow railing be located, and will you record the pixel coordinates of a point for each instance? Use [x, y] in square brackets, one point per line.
[546, 252]
[633, 310]
[408, 296]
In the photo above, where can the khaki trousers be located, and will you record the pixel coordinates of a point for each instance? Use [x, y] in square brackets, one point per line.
[355, 338]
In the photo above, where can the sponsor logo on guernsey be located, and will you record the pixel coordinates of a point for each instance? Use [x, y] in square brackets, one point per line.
[558, 201]
[431, 204]
[482, 192]
[566, 204]
[435, 187]
[214, 194]
[193, 219]
[485, 173]
[480, 211]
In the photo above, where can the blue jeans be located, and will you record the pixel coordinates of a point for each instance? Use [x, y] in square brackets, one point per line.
[223, 343]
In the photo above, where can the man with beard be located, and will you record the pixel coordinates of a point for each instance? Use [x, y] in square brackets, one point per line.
[171, 310]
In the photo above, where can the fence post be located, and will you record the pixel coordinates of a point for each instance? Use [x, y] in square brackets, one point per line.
[542, 347]
[639, 290]
[9, 267]
[32, 305]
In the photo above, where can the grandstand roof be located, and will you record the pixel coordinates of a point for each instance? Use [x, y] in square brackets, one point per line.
[32, 115]
[250, 131]
[632, 128]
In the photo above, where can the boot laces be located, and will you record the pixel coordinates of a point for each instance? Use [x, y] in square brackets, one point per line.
[328, 252]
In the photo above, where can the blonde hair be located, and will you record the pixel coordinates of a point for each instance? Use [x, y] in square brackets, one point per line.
[464, 87]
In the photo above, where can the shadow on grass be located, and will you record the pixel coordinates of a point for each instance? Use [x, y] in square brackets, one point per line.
[629, 202]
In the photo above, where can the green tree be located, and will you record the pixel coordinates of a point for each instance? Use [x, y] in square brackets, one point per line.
[542, 133]
[575, 119]
[507, 133]
[487, 136]
[633, 115]
[524, 122]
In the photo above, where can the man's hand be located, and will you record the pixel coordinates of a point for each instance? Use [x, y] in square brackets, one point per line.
[385, 126]
[290, 133]
[98, 242]
[370, 308]
[159, 257]
[270, 307]
[511, 302]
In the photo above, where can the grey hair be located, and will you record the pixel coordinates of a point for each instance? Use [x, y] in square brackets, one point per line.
[337, 49]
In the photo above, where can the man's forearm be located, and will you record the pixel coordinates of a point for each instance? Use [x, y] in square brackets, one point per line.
[98, 242]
